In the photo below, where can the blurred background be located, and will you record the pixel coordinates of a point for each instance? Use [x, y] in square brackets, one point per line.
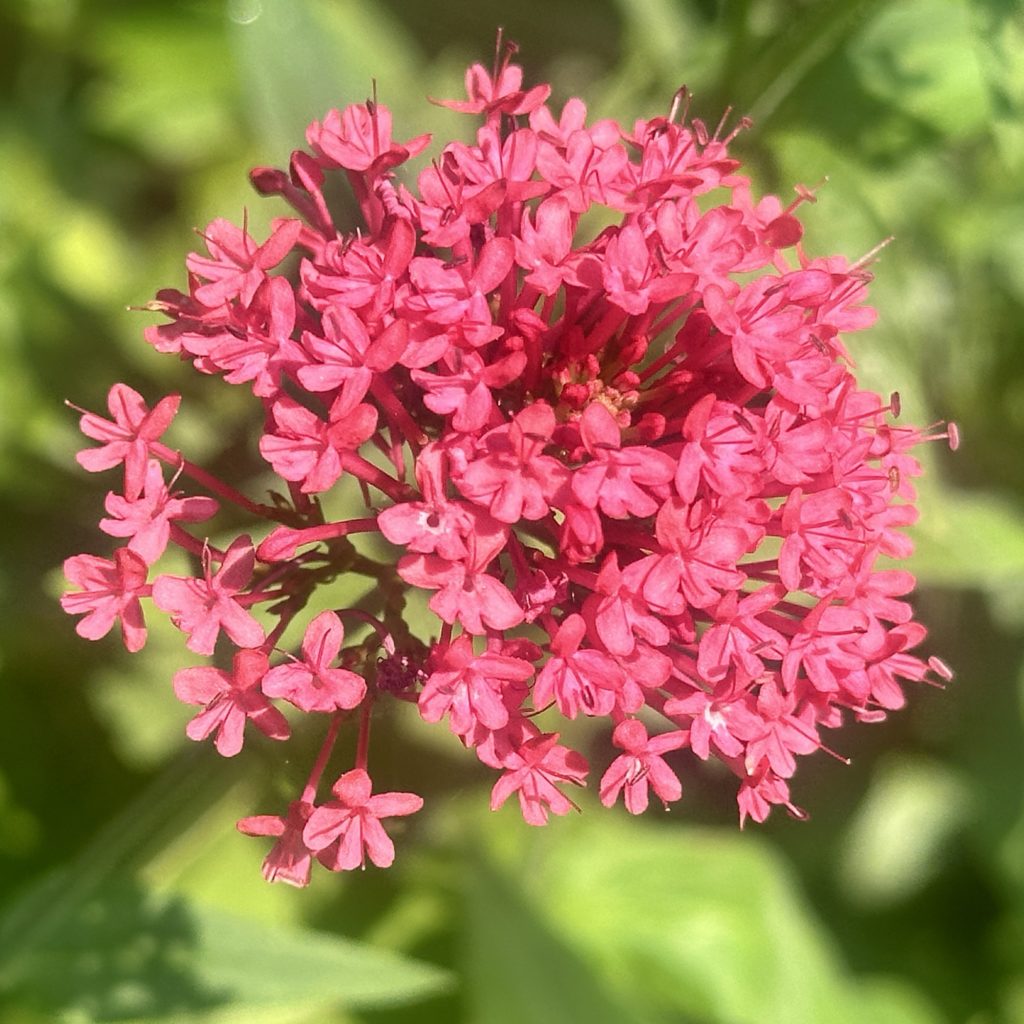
[125, 892]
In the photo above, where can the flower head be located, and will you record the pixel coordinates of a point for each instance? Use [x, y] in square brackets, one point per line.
[631, 472]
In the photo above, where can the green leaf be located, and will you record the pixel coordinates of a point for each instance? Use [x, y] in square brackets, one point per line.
[922, 57]
[167, 82]
[999, 34]
[517, 970]
[895, 843]
[968, 540]
[765, 78]
[127, 953]
[298, 59]
[711, 922]
[286, 64]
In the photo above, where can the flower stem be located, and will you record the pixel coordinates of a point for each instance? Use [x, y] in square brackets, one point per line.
[313, 782]
[212, 483]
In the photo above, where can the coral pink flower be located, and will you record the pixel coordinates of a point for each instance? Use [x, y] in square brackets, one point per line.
[132, 427]
[622, 482]
[236, 266]
[344, 831]
[204, 607]
[311, 684]
[511, 477]
[629, 475]
[533, 772]
[502, 94]
[578, 679]
[469, 688]
[229, 699]
[466, 592]
[641, 766]
[359, 139]
[109, 591]
[289, 859]
[147, 519]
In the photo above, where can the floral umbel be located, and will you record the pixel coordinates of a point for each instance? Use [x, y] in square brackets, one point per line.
[595, 396]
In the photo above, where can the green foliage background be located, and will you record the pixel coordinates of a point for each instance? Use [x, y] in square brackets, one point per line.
[126, 895]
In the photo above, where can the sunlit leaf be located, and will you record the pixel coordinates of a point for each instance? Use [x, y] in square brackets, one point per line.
[712, 922]
[921, 56]
[127, 953]
[896, 840]
[518, 970]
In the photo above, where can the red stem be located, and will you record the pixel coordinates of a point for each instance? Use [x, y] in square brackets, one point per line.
[313, 782]
[369, 473]
[363, 747]
[211, 483]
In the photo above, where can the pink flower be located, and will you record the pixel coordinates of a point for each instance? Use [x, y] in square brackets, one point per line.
[147, 519]
[512, 477]
[359, 139]
[578, 679]
[204, 607]
[533, 772]
[344, 831]
[236, 266]
[470, 688]
[312, 684]
[501, 94]
[641, 766]
[110, 591]
[622, 482]
[228, 700]
[128, 434]
[466, 592]
[305, 448]
[289, 860]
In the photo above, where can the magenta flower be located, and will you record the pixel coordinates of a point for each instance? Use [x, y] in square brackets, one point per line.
[641, 767]
[228, 700]
[344, 831]
[147, 519]
[109, 591]
[312, 684]
[204, 607]
[129, 432]
[631, 476]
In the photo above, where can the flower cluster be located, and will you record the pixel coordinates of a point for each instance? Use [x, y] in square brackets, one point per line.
[595, 394]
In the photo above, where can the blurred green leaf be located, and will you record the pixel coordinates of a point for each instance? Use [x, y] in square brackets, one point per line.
[286, 64]
[131, 954]
[801, 42]
[968, 540]
[19, 829]
[711, 922]
[518, 970]
[895, 842]
[999, 36]
[145, 95]
[922, 57]
[298, 59]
